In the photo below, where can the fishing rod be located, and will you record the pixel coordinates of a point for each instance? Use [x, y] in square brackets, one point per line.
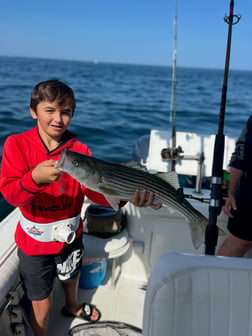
[215, 205]
[172, 152]
[174, 83]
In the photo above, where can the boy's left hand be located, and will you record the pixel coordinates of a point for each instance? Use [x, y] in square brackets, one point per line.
[140, 199]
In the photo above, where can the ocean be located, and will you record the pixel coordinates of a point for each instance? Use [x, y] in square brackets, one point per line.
[118, 103]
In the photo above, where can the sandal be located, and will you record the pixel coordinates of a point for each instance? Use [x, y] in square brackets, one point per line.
[86, 313]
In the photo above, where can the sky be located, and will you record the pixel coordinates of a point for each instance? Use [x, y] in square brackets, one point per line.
[127, 31]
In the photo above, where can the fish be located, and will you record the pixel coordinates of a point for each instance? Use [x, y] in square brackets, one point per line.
[119, 182]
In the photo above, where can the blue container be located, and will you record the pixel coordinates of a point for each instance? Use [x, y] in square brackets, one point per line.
[93, 274]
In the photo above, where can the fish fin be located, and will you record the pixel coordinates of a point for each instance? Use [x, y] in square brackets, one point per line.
[221, 232]
[135, 165]
[63, 184]
[171, 177]
[198, 232]
[113, 201]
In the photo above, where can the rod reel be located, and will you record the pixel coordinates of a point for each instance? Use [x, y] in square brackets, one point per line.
[171, 153]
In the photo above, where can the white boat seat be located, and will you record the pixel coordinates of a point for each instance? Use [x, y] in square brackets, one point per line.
[195, 295]
[103, 221]
[113, 247]
[97, 248]
[105, 233]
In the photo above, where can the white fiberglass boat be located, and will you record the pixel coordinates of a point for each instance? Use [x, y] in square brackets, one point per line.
[148, 278]
[186, 292]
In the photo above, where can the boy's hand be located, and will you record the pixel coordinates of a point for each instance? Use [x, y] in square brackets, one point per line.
[45, 172]
[140, 199]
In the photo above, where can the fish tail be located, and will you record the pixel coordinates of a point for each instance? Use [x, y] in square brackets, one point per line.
[198, 232]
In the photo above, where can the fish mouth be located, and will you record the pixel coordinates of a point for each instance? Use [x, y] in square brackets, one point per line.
[62, 159]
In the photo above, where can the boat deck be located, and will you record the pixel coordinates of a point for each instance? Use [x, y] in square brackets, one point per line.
[108, 298]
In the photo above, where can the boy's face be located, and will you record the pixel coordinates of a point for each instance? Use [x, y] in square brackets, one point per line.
[52, 119]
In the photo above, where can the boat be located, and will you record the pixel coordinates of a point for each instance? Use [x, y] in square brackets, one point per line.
[147, 278]
[153, 276]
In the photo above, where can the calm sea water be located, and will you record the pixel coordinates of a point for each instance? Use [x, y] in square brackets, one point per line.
[117, 103]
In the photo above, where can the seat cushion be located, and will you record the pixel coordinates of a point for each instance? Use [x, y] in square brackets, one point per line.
[195, 295]
[113, 247]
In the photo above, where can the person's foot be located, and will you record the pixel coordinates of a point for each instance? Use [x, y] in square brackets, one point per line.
[87, 311]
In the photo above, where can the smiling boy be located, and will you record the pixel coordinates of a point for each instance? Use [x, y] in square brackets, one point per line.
[30, 181]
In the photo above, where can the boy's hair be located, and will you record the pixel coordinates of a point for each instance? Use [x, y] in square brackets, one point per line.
[52, 90]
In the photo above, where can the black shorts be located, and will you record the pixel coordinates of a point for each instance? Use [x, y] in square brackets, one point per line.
[38, 272]
[241, 224]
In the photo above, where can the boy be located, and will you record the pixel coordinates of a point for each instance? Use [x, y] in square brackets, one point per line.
[30, 181]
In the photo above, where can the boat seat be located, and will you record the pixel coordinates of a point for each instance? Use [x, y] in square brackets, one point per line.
[105, 232]
[112, 247]
[195, 295]
[97, 248]
[104, 245]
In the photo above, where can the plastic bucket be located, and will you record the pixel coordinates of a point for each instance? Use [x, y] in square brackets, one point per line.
[93, 274]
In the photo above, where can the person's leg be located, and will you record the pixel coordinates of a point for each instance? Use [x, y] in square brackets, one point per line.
[71, 295]
[239, 226]
[71, 299]
[37, 274]
[234, 247]
[69, 263]
[40, 316]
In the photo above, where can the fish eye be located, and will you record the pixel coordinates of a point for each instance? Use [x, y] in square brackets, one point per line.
[75, 163]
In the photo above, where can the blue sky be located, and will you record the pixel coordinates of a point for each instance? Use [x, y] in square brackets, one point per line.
[127, 31]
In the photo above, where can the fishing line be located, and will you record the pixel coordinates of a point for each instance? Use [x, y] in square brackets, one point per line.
[217, 168]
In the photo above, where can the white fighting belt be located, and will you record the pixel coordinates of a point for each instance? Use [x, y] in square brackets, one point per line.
[62, 231]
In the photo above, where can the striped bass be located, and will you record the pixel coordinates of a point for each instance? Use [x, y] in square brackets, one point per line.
[119, 181]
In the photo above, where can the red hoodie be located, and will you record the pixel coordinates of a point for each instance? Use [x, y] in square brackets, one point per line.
[46, 203]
